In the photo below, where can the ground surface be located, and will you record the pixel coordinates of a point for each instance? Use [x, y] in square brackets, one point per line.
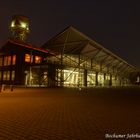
[68, 114]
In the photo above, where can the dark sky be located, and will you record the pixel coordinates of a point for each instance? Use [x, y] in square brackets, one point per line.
[115, 24]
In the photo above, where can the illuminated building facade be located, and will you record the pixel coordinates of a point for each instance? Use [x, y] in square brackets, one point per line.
[70, 59]
[80, 61]
[19, 62]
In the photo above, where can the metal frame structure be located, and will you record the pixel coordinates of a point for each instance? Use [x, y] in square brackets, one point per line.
[74, 50]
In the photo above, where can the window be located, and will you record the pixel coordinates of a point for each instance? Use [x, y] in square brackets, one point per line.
[1, 60]
[27, 58]
[38, 59]
[6, 75]
[7, 60]
[13, 59]
[13, 76]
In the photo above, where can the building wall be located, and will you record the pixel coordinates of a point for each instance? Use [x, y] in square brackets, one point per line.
[15, 71]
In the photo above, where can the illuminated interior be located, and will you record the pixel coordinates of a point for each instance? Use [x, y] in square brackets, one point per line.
[38, 59]
[27, 58]
[91, 79]
[13, 59]
[7, 60]
[100, 79]
[107, 80]
[6, 75]
[71, 78]
[13, 76]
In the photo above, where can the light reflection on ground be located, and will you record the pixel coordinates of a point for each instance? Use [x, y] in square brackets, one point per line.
[57, 114]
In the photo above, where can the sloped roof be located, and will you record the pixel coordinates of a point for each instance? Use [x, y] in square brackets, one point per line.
[72, 41]
[29, 46]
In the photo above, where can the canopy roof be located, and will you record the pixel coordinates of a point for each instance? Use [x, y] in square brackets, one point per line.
[72, 41]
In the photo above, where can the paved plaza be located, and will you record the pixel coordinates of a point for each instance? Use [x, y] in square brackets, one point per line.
[69, 114]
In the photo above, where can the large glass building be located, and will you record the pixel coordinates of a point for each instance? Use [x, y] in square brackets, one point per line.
[80, 61]
[69, 59]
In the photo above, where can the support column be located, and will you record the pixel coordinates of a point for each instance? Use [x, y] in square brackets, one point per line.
[104, 79]
[96, 82]
[110, 82]
[51, 75]
[61, 70]
[85, 78]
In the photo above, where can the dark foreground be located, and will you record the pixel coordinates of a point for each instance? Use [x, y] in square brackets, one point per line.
[69, 114]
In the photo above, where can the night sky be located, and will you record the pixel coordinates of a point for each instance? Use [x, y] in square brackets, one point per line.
[115, 24]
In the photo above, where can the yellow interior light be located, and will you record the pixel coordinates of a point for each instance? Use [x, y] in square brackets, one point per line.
[12, 24]
[23, 25]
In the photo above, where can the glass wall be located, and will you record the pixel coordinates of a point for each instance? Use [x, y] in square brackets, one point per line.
[101, 79]
[91, 78]
[70, 77]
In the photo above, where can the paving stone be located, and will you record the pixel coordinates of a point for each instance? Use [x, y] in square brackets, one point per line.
[68, 114]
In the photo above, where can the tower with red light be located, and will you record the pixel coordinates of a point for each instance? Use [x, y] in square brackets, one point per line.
[19, 27]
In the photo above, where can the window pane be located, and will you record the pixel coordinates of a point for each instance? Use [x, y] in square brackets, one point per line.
[27, 58]
[14, 60]
[38, 59]
[4, 75]
[8, 75]
[8, 60]
[13, 76]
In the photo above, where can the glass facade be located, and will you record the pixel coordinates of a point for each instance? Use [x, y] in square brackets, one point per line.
[91, 78]
[70, 77]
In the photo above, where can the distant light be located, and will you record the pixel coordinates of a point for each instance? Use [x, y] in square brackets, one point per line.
[23, 25]
[12, 24]
[38, 59]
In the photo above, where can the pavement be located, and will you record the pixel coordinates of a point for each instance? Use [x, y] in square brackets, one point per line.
[69, 114]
